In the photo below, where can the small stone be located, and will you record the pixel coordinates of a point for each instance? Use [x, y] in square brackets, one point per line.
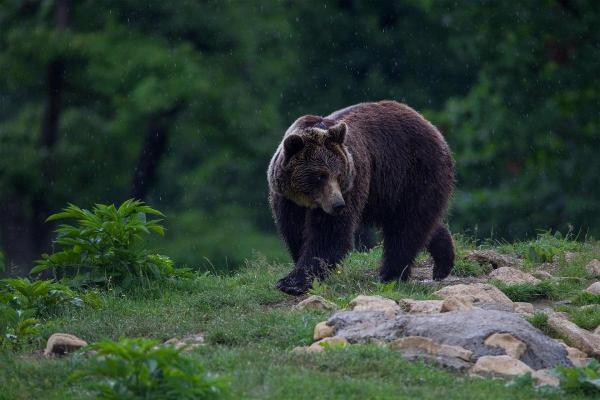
[545, 377]
[582, 362]
[570, 256]
[521, 307]
[456, 303]
[593, 267]
[172, 341]
[431, 347]
[315, 303]
[575, 353]
[500, 366]
[322, 330]
[512, 346]
[512, 276]
[540, 274]
[421, 306]
[594, 288]
[63, 343]
[476, 293]
[580, 338]
[334, 341]
[493, 258]
[307, 349]
[376, 303]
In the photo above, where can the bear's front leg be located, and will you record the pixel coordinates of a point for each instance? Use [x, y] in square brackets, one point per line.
[327, 241]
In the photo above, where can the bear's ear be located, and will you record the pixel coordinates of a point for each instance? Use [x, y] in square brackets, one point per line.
[337, 133]
[292, 145]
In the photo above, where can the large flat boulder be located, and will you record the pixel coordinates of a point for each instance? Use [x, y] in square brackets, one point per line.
[465, 328]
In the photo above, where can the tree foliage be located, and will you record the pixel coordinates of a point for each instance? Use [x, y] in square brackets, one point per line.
[183, 104]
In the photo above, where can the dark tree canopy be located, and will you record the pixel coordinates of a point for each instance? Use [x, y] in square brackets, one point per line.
[182, 104]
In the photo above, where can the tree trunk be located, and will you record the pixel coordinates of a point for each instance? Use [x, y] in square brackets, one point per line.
[155, 145]
[26, 235]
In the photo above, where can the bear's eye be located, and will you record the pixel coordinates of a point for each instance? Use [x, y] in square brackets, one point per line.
[321, 178]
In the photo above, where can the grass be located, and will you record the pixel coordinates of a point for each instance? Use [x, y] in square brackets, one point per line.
[586, 317]
[250, 330]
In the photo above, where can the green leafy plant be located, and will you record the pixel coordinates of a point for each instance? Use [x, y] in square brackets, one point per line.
[104, 246]
[548, 245]
[16, 326]
[140, 369]
[42, 297]
[580, 379]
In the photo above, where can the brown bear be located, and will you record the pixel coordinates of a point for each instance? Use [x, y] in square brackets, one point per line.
[379, 164]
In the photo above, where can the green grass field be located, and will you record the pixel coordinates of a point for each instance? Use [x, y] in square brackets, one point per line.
[250, 330]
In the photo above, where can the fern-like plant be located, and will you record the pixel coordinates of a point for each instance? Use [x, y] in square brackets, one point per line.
[104, 246]
[141, 369]
[43, 296]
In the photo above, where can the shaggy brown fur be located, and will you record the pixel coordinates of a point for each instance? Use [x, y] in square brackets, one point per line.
[378, 164]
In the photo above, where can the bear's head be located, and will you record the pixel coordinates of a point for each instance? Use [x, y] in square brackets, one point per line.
[315, 168]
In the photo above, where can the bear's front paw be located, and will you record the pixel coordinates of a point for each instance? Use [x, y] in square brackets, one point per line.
[294, 284]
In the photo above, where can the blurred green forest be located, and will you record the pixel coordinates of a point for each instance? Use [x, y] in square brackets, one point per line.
[182, 103]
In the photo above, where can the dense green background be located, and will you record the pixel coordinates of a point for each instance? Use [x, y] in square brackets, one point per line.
[183, 102]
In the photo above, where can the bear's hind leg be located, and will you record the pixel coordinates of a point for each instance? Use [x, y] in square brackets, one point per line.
[441, 248]
[401, 243]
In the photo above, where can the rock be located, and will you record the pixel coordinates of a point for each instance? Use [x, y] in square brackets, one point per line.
[593, 267]
[594, 288]
[597, 330]
[456, 303]
[315, 303]
[323, 344]
[570, 256]
[428, 345]
[578, 337]
[307, 349]
[375, 303]
[421, 306]
[493, 258]
[467, 329]
[190, 342]
[500, 366]
[63, 343]
[512, 346]
[540, 274]
[575, 353]
[523, 308]
[545, 377]
[582, 362]
[476, 293]
[421, 348]
[322, 330]
[512, 276]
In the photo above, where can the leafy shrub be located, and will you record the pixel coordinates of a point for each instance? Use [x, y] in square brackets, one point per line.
[16, 326]
[548, 245]
[139, 369]
[42, 297]
[104, 246]
[580, 379]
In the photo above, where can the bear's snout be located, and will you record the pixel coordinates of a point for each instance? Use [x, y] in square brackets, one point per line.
[338, 206]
